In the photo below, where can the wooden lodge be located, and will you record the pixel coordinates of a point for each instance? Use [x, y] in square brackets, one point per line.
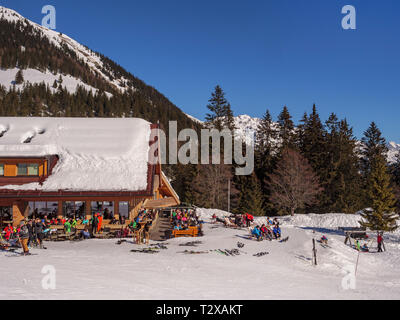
[67, 165]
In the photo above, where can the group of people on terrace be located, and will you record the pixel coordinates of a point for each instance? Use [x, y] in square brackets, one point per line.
[32, 232]
[182, 219]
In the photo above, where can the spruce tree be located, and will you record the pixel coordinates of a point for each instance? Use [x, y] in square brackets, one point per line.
[265, 154]
[312, 145]
[373, 147]
[286, 129]
[19, 77]
[381, 215]
[251, 196]
[341, 179]
[374, 144]
[221, 115]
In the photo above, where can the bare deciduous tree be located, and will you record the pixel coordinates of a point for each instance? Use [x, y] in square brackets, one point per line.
[293, 184]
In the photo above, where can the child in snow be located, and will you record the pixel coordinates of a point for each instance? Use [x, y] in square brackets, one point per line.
[277, 231]
[256, 232]
[364, 248]
[324, 240]
[265, 232]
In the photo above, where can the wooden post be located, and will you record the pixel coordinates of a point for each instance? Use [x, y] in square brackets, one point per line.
[116, 210]
[60, 213]
[88, 210]
[314, 253]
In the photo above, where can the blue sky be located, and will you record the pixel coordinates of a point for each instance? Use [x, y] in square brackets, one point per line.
[264, 54]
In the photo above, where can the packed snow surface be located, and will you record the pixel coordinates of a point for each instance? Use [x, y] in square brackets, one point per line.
[101, 269]
[95, 154]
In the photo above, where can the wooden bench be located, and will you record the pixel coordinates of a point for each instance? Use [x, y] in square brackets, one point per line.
[190, 232]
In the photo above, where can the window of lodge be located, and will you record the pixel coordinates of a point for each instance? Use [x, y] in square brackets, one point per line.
[28, 169]
[1, 169]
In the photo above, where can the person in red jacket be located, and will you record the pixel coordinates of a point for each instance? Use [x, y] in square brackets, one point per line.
[8, 232]
[249, 219]
[380, 240]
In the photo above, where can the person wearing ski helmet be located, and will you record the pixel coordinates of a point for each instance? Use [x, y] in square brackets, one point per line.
[23, 236]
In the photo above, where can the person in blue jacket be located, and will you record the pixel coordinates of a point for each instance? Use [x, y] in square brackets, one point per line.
[257, 232]
[277, 232]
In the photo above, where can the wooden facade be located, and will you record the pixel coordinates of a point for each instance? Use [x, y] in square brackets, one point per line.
[158, 189]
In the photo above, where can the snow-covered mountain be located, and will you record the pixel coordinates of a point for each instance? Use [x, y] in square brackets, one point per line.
[91, 59]
[394, 150]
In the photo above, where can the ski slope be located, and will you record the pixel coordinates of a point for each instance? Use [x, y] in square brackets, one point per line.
[101, 269]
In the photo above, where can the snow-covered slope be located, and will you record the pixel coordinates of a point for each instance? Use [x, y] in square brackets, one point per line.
[33, 76]
[87, 269]
[91, 58]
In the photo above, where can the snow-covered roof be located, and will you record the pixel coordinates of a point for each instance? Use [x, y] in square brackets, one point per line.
[95, 154]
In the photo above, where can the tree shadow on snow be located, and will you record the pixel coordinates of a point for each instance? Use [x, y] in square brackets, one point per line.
[244, 237]
[324, 230]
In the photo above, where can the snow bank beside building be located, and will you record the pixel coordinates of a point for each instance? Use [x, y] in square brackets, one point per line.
[311, 220]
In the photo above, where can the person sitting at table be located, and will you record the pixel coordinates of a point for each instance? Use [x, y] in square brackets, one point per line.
[85, 234]
[177, 227]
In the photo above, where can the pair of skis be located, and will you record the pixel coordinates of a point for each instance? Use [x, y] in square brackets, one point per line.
[260, 254]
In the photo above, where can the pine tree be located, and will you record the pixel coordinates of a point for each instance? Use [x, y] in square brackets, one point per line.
[340, 175]
[381, 217]
[221, 115]
[265, 154]
[374, 145]
[19, 77]
[251, 196]
[286, 129]
[312, 144]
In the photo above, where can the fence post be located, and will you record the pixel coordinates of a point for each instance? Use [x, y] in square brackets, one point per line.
[314, 253]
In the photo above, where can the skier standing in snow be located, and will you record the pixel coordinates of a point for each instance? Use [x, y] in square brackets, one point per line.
[39, 227]
[23, 237]
[31, 233]
[380, 240]
[95, 223]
